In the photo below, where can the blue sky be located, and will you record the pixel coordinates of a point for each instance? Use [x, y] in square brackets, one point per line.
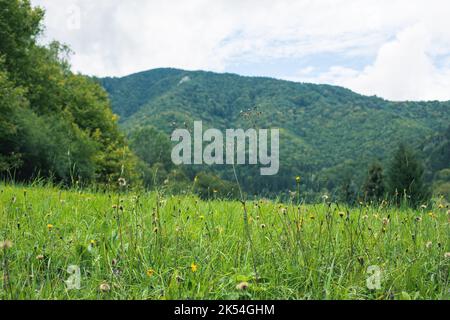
[396, 49]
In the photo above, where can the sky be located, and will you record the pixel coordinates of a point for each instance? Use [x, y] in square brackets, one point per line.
[395, 49]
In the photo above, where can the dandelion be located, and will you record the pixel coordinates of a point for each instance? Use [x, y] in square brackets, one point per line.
[298, 179]
[6, 244]
[122, 182]
[92, 243]
[194, 267]
[50, 227]
[150, 273]
[431, 214]
[104, 287]
[242, 286]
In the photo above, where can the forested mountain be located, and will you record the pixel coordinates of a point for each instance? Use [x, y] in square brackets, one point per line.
[328, 134]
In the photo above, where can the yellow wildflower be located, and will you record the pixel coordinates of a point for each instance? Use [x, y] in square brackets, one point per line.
[150, 272]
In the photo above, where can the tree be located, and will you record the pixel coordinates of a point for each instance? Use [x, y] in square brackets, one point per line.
[52, 122]
[405, 176]
[152, 146]
[374, 186]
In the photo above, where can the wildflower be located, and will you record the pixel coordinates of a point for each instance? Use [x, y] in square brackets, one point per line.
[431, 214]
[155, 230]
[114, 262]
[40, 257]
[104, 287]
[447, 255]
[441, 206]
[297, 179]
[418, 219]
[114, 206]
[150, 273]
[325, 197]
[242, 286]
[196, 179]
[194, 267]
[49, 227]
[423, 206]
[263, 226]
[385, 221]
[429, 244]
[122, 182]
[215, 191]
[7, 244]
[202, 217]
[365, 217]
[312, 217]
[92, 243]
[283, 210]
[341, 214]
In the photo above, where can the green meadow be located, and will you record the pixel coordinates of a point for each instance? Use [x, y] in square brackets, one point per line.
[77, 244]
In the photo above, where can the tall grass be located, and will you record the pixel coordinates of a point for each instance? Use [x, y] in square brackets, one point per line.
[151, 246]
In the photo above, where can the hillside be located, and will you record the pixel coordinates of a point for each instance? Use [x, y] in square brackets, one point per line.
[327, 132]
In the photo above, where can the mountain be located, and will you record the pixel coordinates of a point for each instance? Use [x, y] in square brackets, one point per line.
[327, 133]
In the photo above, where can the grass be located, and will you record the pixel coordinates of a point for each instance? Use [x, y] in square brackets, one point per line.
[148, 246]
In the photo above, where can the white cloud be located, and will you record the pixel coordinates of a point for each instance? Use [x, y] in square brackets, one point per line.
[403, 70]
[120, 37]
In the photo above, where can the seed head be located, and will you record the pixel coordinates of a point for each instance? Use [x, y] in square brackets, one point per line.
[6, 244]
[242, 286]
[104, 287]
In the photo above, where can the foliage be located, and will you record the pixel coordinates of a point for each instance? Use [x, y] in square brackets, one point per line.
[406, 176]
[210, 186]
[374, 186]
[54, 123]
